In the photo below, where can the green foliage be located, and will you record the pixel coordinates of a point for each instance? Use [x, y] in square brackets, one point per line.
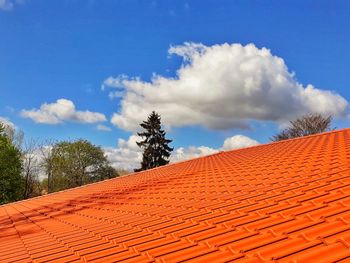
[123, 172]
[44, 186]
[11, 181]
[305, 125]
[73, 164]
[104, 172]
[156, 151]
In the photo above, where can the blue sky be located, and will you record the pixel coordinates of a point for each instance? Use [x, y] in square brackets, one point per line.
[52, 50]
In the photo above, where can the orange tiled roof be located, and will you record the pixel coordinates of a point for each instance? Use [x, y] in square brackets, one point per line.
[286, 201]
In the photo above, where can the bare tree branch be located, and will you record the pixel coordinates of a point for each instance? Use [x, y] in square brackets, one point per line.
[305, 125]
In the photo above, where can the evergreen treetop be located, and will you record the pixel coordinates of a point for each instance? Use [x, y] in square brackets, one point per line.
[156, 150]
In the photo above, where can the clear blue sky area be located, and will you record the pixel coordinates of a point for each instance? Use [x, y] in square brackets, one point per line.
[67, 48]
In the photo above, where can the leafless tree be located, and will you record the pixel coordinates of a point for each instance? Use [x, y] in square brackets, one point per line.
[305, 125]
[31, 168]
[47, 162]
[29, 160]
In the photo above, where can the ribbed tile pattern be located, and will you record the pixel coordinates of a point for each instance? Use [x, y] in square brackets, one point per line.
[286, 201]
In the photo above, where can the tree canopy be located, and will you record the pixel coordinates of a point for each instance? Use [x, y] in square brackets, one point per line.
[67, 164]
[155, 146]
[305, 125]
[11, 181]
[72, 164]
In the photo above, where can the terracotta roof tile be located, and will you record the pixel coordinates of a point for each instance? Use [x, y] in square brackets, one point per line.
[287, 202]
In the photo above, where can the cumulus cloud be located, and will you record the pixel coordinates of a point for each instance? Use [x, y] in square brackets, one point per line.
[60, 111]
[10, 127]
[7, 122]
[230, 143]
[219, 87]
[117, 84]
[238, 141]
[127, 155]
[186, 153]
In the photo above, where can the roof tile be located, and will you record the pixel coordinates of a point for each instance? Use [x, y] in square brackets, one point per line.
[284, 201]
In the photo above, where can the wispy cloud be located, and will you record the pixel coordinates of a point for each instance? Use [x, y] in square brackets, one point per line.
[8, 5]
[101, 127]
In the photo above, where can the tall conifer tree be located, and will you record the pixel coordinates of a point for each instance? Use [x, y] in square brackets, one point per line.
[156, 150]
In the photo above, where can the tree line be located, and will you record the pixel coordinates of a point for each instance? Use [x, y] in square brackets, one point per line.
[61, 165]
[68, 164]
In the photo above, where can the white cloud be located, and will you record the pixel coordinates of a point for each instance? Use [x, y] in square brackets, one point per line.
[35, 155]
[60, 111]
[7, 123]
[221, 86]
[117, 84]
[10, 127]
[101, 127]
[238, 141]
[230, 143]
[127, 155]
[191, 152]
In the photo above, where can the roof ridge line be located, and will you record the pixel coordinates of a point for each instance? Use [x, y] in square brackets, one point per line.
[183, 161]
[248, 147]
[217, 153]
[291, 139]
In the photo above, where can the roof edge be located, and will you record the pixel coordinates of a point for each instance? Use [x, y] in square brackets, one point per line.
[183, 161]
